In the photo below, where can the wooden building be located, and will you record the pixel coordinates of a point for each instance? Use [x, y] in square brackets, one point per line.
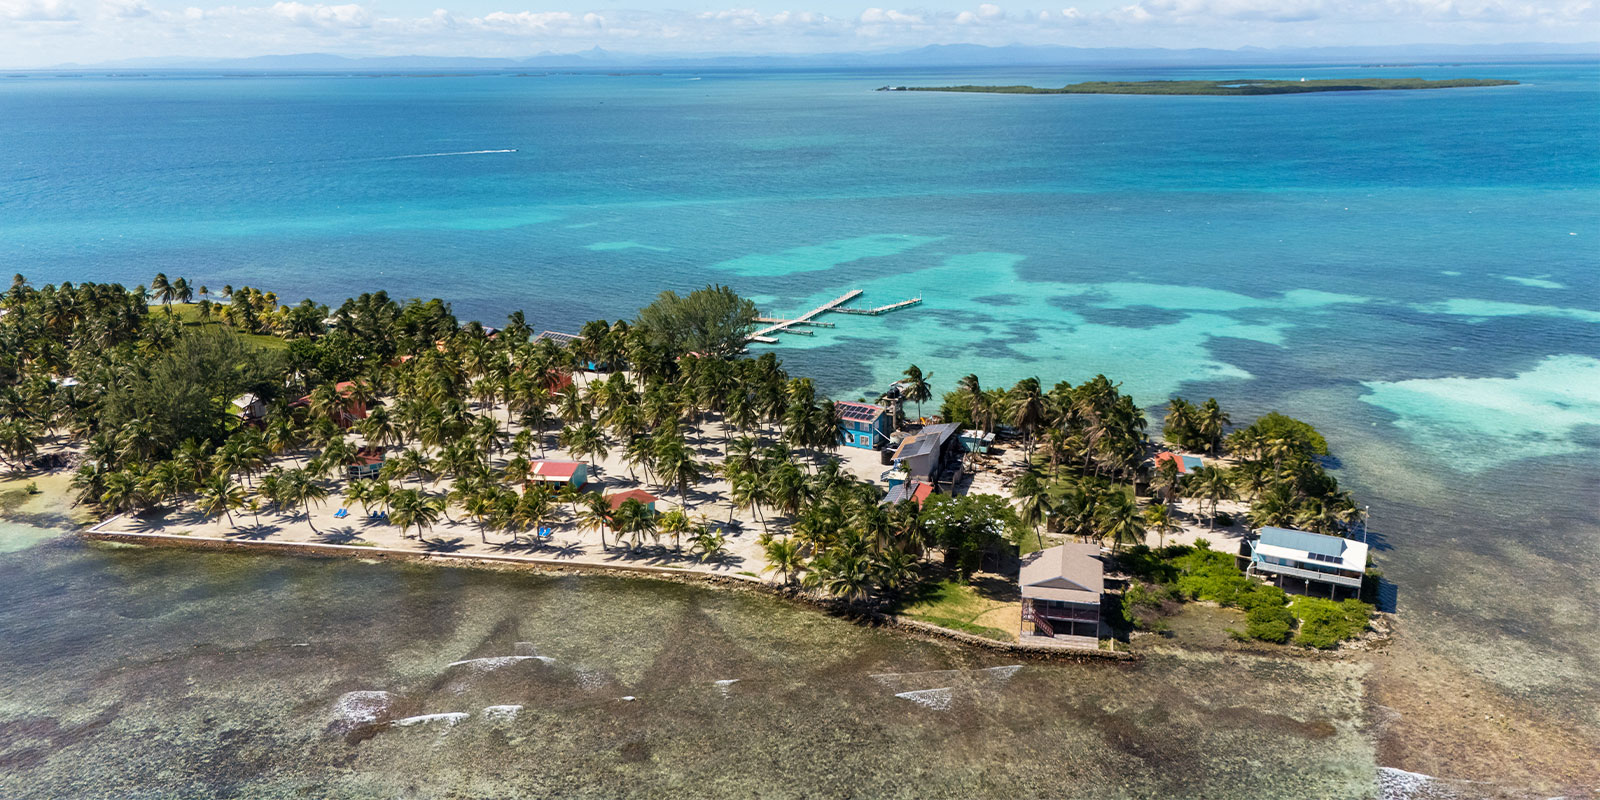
[863, 425]
[1061, 589]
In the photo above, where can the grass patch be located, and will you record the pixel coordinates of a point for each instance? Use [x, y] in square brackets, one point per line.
[967, 627]
[956, 605]
[189, 315]
[748, 572]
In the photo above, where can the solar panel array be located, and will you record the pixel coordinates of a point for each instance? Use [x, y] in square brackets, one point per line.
[563, 338]
[856, 411]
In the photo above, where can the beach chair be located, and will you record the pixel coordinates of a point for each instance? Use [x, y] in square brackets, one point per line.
[341, 513]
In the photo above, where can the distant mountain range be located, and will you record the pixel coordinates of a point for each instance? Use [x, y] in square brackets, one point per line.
[948, 55]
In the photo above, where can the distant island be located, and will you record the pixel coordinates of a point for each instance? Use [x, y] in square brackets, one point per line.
[1238, 87]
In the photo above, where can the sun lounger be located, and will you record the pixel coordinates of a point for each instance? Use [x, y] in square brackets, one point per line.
[341, 513]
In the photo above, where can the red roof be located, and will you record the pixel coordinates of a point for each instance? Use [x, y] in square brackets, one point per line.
[1167, 456]
[554, 470]
[367, 456]
[616, 500]
[922, 492]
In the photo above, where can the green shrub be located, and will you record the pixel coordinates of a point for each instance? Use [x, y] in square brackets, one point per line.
[1324, 623]
[1143, 604]
[1269, 623]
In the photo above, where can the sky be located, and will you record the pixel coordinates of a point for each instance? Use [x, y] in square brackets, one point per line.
[49, 32]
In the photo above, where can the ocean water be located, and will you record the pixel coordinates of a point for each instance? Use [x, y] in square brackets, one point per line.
[1415, 273]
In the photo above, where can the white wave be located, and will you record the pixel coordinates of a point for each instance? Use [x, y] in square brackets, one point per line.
[501, 713]
[936, 699]
[1002, 673]
[442, 155]
[448, 717]
[724, 685]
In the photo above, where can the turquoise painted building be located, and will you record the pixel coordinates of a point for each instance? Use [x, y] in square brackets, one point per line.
[862, 425]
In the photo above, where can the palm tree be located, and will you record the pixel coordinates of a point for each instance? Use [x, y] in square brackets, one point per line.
[1158, 517]
[784, 557]
[676, 465]
[1120, 520]
[708, 544]
[596, 514]
[584, 442]
[1031, 503]
[161, 289]
[674, 523]
[220, 496]
[634, 519]
[915, 387]
[1213, 485]
[1213, 425]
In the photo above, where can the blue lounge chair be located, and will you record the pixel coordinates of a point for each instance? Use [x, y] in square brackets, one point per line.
[341, 513]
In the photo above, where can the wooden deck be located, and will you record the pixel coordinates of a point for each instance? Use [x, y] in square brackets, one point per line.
[766, 335]
[873, 312]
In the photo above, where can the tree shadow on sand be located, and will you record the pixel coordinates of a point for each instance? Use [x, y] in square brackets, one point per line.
[339, 536]
[254, 533]
[442, 545]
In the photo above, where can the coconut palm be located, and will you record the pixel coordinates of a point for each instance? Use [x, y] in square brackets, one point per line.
[1120, 520]
[220, 496]
[915, 387]
[784, 557]
[674, 523]
[1158, 517]
[1212, 485]
[677, 466]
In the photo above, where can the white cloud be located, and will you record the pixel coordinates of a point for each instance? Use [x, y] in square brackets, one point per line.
[37, 11]
[95, 30]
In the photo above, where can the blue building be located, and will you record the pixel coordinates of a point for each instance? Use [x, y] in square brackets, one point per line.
[862, 425]
[1311, 562]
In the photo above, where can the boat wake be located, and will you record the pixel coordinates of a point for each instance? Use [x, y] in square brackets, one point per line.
[442, 155]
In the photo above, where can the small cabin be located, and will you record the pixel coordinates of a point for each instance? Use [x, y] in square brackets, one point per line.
[1311, 563]
[559, 473]
[932, 455]
[617, 499]
[1061, 588]
[249, 408]
[862, 425]
[368, 463]
[976, 441]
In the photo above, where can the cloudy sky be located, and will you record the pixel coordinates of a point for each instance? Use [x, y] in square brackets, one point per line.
[47, 32]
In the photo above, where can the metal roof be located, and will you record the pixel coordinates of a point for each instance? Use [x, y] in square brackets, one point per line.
[1068, 573]
[557, 336]
[857, 411]
[928, 440]
[1290, 539]
[910, 490]
[557, 470]
[616, 500]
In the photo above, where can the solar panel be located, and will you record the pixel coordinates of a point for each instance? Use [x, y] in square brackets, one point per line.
[856, 411]
[556, 336]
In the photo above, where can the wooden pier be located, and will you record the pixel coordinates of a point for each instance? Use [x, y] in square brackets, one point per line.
[775, 325]
[873, 312]
[766, 335]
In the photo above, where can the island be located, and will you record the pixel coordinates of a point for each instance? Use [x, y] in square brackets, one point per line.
[1039, 517]
[1221, 88]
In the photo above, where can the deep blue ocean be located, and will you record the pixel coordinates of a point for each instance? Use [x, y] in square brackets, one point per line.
[1415, 273]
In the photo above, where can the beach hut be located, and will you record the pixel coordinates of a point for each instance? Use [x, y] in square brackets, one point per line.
[249, 408]
[1185, 464]
[558, 473]
[862, 425]
[368, 464]
[1312, 563]
[1061, 589]
[618, 498]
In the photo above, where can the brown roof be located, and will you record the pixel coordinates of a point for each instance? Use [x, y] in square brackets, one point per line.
[1068, 573]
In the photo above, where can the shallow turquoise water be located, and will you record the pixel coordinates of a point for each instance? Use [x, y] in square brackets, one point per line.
[1415, 273]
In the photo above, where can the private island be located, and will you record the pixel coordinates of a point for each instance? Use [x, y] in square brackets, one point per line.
[1038, 517]
[1224, 88]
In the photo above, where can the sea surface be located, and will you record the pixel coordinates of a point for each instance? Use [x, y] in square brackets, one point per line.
[1415, 273]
